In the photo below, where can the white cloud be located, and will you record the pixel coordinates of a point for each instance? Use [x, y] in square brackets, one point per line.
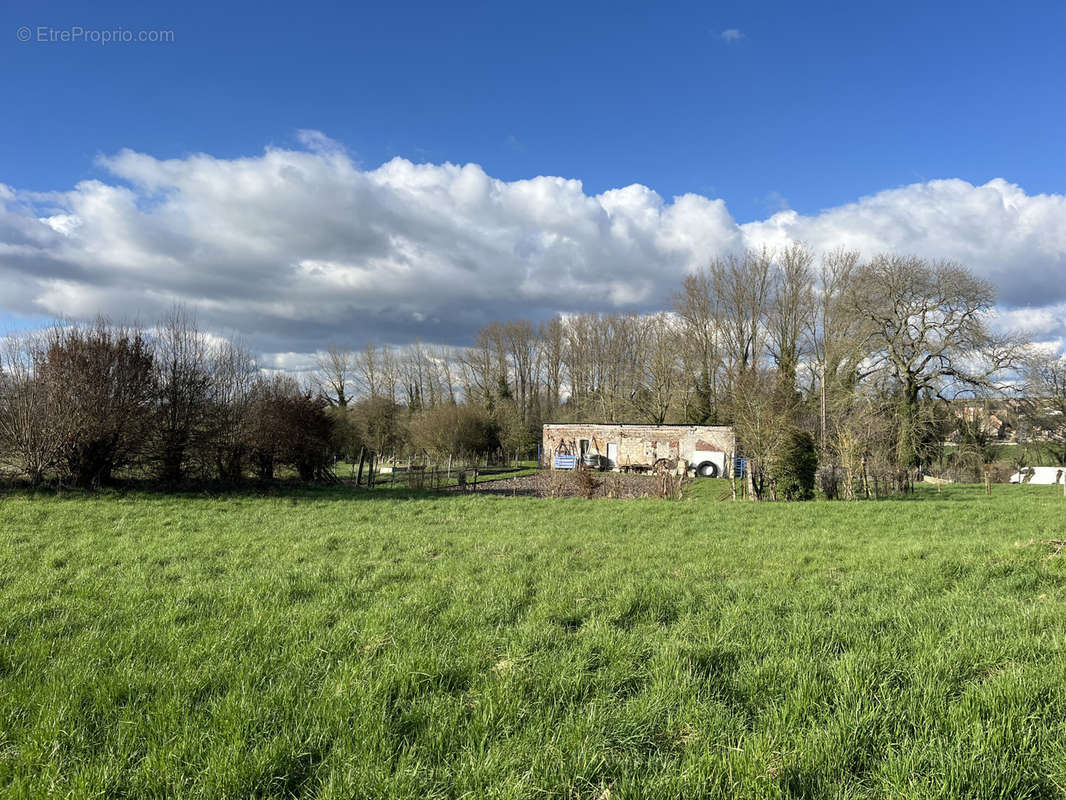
[1015, 240]
[296, 247]
[731, 35]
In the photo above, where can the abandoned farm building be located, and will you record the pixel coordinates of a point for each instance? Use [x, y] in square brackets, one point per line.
[707, 449]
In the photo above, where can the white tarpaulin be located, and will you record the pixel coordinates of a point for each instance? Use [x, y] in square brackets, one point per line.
[1038, 475]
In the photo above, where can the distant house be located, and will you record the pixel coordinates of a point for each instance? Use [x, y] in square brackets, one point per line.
[988, 423]
[705, 449]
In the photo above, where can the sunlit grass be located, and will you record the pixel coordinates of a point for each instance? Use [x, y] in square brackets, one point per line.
[331, 644]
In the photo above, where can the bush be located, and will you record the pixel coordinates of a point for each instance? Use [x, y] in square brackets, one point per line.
[797, 466]
[100, 381]
[452, 429]
[516, 434]
[346, 441]
[309, 431]
[289, 427]
[185, 382]
[585, 485]
[378, 424]
[92, 404]
[31, 436]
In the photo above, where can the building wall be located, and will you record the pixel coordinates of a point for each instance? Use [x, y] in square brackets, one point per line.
[638, 444]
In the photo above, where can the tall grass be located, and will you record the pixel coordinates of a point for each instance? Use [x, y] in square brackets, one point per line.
[338, 645]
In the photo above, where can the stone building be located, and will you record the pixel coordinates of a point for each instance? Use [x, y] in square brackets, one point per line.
[707, 449]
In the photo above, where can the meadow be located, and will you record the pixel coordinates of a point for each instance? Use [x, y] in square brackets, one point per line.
[339, 644]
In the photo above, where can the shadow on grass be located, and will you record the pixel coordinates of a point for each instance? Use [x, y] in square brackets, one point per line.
[968, 492]
[347, 491]
[294, 490]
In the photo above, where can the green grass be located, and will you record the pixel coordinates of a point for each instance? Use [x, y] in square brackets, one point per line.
[340, 645]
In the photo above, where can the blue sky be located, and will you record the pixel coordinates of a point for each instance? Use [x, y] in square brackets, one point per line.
[801, 106]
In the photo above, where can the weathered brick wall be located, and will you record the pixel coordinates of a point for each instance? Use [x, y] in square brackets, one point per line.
[638, 444]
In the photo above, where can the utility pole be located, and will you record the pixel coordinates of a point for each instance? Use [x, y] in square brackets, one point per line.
[822, 365]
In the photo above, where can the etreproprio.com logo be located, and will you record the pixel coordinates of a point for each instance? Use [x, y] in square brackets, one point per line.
[76, 34]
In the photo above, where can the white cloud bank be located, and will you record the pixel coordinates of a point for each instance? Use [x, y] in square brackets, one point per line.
[297, 247]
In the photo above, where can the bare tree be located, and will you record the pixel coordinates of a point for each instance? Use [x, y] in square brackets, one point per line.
[760, 424]
[1045, 374]
[659, 368]
[32, 431]
[552, 342]
[789, 311]
[838, 336]
[183, 366]
[929, 336]
[447, 374]
[698, 307]
[390, 373]
[483, 367]
[335, 373]
[616, 348]
[743, 287]
[425, 377]
[377, 371]
[233, 377]
[368, 370]
[523, 355]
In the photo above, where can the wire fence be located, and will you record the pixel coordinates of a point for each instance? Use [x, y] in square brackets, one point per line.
[423, 472]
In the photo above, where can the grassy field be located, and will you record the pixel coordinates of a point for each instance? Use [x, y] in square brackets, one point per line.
[339, 645]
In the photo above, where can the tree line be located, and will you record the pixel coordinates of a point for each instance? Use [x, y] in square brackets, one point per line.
[85, 404]
[868, 359]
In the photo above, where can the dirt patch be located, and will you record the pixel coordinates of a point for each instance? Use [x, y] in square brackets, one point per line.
[563, 484]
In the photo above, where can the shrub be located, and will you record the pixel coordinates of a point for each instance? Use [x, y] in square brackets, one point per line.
[289, 427]
[454, 429]
[585, 485]
[797, 466]
[346, 440]
[309, 429]
[515, 433]
[184, 384]
[101, 380]
[31, 436]
[378, 424]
